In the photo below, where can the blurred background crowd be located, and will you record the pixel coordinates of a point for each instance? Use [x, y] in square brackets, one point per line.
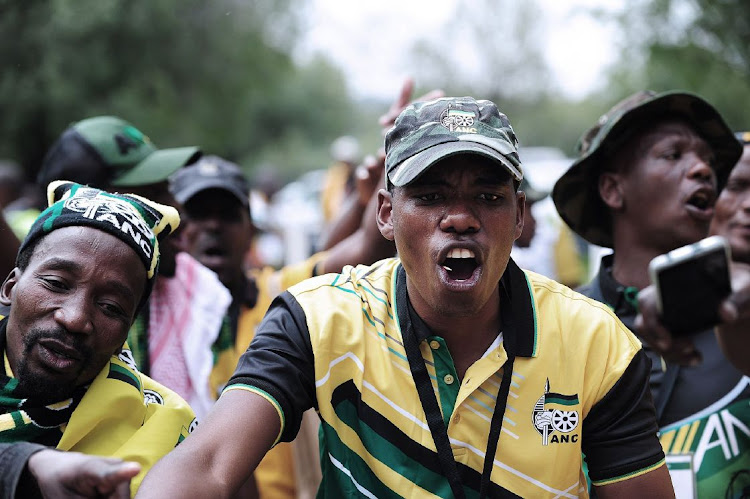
[290, 90]
[288, 101]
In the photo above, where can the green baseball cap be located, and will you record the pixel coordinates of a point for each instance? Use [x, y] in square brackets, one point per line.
[106, 150]
[426, 132]
[576, 192]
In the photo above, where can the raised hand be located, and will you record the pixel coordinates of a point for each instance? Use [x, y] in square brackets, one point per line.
[404, 99]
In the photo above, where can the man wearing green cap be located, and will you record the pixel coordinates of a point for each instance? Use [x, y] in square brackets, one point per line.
[172, 337]
[109, 153]
[445, 372]
[82, 273]
[645, 183]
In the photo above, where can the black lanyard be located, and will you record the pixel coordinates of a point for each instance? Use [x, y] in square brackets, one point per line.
[429, 401]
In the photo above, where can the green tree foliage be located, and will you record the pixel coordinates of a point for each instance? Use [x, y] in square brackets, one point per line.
[506, 64]
[217, 74]
[701, 46]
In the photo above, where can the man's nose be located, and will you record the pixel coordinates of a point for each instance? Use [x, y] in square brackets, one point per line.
[701, 169]
[75, 315]
[459, 218]
[210, 223]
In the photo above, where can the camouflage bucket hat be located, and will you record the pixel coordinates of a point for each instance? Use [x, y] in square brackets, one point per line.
[426, 132]
[576, 193]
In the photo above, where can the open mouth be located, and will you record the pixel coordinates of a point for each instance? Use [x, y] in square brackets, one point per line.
[213, 255]
[700, 204]
[460, 264]
[214, 251]
[701, 200]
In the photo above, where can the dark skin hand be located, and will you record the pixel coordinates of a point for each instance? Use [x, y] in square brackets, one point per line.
[404, 99]
[734, 313]
[368, 177]
[73, 475]
[647, 324]
[732, 333]
[359, 208]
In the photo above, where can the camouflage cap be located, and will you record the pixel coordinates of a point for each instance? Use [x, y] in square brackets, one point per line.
[576, 193]
[426, 132]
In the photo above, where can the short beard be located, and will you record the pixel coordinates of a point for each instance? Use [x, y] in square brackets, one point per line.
[42, 386]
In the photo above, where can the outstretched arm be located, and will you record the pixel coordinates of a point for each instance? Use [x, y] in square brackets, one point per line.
[221, 454]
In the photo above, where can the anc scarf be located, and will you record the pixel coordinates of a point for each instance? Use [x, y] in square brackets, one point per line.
[122, 413]
[26, 419]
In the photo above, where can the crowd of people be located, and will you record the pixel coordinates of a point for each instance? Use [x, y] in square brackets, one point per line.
[437, 341]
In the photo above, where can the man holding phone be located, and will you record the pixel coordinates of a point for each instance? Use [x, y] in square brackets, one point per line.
[645, 183]
[732, 221]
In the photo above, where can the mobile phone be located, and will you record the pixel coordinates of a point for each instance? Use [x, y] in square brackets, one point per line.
[691, 282]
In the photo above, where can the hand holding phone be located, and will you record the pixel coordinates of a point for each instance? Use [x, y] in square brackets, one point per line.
[690, 283]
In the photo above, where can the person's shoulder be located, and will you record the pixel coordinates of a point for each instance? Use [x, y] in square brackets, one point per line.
[545, 287]
[353, 279]
[579, 313]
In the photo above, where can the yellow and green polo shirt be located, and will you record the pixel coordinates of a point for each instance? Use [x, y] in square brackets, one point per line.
[579, 385]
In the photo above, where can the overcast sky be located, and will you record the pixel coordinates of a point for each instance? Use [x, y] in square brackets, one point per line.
[362, 35]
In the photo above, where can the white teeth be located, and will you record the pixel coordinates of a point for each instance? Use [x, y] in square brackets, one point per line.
[447, 268]
[460, 253]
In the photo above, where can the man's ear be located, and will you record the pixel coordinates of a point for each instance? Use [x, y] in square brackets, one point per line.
[8, 284]
[385, 214]
[520, 212]
[611, 190]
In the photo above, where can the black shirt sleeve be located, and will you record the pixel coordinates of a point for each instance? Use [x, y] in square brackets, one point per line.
[15, 481]
[280, 362]
[620, 431]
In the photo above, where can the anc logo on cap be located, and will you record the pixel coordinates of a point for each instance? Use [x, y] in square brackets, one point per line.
[458, 121]
[98, 205]
[208, 168]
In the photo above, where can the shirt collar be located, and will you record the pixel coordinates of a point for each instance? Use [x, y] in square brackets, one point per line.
[621, 298]
[513, 286]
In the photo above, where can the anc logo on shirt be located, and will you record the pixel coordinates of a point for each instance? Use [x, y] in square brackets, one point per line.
[548, 421]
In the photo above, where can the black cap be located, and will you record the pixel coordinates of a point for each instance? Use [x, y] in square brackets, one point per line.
[210, 172]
